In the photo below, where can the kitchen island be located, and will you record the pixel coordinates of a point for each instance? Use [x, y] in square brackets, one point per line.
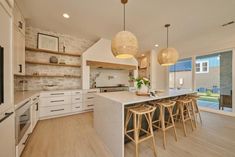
[109, 115]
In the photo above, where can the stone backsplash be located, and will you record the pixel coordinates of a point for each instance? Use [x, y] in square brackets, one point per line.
[71, 43]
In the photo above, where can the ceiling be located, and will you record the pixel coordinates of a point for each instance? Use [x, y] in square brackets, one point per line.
[93, 19]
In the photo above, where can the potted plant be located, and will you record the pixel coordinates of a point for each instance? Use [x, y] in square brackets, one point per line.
[142, 85]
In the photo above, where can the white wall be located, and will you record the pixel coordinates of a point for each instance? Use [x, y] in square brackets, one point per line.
[158, 74]
[101, 51]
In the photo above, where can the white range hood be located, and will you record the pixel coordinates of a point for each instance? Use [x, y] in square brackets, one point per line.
[101, 52]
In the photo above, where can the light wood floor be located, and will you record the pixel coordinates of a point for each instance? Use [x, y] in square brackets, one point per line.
[74, 136]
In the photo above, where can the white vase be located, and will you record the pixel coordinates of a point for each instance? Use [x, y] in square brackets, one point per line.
[143, 89]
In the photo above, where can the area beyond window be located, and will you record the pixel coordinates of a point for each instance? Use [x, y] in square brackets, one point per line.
[202, 67]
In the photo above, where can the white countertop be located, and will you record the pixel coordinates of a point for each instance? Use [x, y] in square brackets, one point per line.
[126, 97]
[21, 97]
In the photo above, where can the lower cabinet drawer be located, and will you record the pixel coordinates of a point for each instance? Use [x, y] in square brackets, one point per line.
[76, 99]
[53, 101]
[54, 110]
[76, 107]
[88, 105]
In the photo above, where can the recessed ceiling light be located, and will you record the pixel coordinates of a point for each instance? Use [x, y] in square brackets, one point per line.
[65, 15]
[156, 45]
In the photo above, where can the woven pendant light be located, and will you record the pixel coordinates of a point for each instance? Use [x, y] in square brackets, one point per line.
[124, 44]
[168, 56]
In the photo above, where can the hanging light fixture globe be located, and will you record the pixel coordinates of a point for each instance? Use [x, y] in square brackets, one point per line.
[124, 44]
[168, 56]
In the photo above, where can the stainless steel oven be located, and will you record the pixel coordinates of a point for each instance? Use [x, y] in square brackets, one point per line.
[23, 120]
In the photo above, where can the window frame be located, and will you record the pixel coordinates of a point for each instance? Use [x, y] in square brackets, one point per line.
[201, 71]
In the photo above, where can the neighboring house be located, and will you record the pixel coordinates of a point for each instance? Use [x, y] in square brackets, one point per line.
[207, 73]
[207, 70]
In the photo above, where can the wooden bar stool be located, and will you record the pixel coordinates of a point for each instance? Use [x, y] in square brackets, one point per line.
[184, 105]
[169, 105]
[129, 115]
[138, 113]
[195, 109]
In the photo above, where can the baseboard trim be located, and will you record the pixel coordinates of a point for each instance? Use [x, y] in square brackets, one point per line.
[231, 114]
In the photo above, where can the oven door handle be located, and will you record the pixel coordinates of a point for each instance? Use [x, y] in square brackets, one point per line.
[6, 116]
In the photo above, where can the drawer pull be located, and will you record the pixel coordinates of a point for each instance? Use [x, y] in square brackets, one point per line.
[77, 107]
[57, 110]
[90, 105]
[92, 92]
[78, 92]
[77, 99]
[90, 97]
[57, 94]
[57, 101]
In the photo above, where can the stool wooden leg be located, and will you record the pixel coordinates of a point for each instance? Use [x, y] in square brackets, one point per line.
[194, 113]
[199, 113]
[128, 117]
[163, 126]
[173, 123]
[182, 117]
[136, 136]
[151, 132]
[189, 115]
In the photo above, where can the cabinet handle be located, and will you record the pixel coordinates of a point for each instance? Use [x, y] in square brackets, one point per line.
[77, 107]
[20, 65]
[77, 99]
[20, 25]
[90, 97]
[92, 92]
[27, 139]
[36, 106]
[57, 101]
[6, 116]
[90, 105]
[57, 110]
[57, 94]
[78, 92]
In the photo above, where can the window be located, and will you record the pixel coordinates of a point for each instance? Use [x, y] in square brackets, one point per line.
[202, 67]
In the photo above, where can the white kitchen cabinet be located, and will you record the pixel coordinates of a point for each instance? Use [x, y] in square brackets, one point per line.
[89, 99]
[18, 42]
[7, 134]
[6, 43]
[34, 112]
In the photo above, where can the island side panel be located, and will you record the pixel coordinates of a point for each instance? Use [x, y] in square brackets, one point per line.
[109, 124]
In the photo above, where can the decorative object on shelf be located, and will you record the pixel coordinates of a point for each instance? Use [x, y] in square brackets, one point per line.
[124, 44]
[168, 56]
[142, 85]
[53, 59]
[50, 87]
[48, 42]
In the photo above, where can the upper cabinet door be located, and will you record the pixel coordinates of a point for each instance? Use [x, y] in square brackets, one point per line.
[19, 21]
[18, 41]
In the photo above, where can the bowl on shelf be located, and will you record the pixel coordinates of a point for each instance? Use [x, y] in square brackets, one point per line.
[50, 87]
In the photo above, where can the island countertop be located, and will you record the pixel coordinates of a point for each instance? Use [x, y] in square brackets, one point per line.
[127, 98]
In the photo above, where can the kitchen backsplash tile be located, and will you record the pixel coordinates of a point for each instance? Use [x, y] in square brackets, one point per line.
[71, 43]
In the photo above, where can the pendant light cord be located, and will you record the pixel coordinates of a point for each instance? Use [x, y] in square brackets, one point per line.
[124, 17]
[167, 37]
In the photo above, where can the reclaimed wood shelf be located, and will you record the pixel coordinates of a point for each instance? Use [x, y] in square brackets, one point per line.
[52, 64]
[67, 76]
[106, 65]
[52, 52]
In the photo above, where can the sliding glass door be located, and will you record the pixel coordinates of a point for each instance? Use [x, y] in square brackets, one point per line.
[213, 76]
